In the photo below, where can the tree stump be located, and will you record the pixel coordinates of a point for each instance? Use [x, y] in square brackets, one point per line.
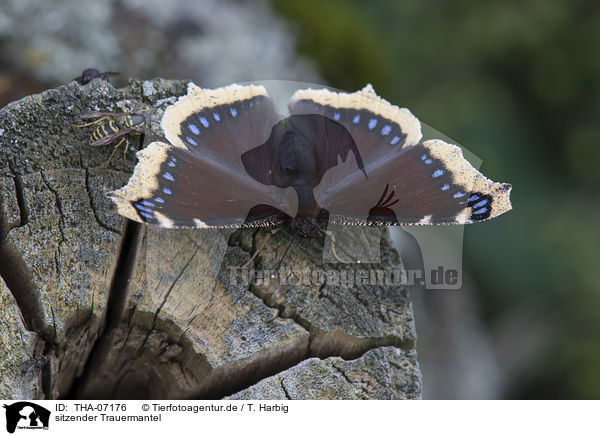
[95, 306]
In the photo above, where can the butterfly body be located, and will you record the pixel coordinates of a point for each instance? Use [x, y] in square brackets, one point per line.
[350, 158]
[293, 156]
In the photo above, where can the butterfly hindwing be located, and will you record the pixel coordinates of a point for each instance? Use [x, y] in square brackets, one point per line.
[429, 183]
[173, 188]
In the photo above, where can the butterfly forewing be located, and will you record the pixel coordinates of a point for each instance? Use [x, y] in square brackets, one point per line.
[225, 121]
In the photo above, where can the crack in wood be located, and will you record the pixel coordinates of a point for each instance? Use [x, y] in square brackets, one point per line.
[93, 208]
[347, 346]
[17, 277]
[164, 301]
[115, 305]
[320, 344]
[20, 197]
[285, 390]
[343, 374]
[61, 223]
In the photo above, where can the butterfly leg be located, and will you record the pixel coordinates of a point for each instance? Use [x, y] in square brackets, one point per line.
[336, 245]
[284, 254]
[114, 150]
[260, 246]
[331, 236]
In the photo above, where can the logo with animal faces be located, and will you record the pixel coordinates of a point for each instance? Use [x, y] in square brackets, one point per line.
[26, 415]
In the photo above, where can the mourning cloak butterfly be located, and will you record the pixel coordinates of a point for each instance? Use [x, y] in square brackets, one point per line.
[353, 158]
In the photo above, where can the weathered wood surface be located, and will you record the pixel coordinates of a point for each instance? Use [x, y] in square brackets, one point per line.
[108, 309]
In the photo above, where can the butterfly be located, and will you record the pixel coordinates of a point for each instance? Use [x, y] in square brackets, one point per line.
[347, 158]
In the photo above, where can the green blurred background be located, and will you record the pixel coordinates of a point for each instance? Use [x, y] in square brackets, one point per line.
[516, 83]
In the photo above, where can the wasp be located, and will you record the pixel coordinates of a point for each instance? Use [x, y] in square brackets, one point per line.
[90, 74]
[113, 126]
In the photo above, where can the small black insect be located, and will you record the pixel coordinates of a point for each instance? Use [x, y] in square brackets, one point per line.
[114, 125]
[91, 73]
[31, 366]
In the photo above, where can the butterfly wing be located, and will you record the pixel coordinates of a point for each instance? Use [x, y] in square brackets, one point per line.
[407, 181]
[224, 122]
[198, 179]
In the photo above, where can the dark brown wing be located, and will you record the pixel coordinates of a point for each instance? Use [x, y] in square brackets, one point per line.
[199, 180]
[224, 122]
[171, 187]
[408, 181]
[429, 183]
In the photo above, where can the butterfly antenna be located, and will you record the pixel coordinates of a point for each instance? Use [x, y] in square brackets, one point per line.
[389, 197]
[383, 195]
[392, 203]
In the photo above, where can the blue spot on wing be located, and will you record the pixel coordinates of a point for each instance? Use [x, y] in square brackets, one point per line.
[194, 129]
[481, 203]
[141, 208]
[145, 215]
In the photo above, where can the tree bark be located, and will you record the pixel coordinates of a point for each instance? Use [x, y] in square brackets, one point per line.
[95, 306]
